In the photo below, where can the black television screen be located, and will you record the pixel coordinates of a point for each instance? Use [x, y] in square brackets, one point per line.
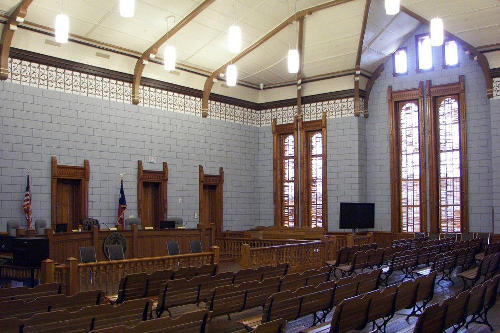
[355, 215]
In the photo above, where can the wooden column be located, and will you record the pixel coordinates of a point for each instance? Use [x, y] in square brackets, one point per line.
[245, 261]
[216, 251]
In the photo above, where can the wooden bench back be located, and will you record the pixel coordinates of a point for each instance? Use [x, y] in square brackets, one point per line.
[28, 294]
[431, 320]
[157, 280]
[132, 286]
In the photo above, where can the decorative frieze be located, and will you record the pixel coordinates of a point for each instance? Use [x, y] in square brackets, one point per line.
[496, 87]
[74, 82]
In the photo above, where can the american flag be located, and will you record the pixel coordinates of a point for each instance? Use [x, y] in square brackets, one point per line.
[27, 202]
[122, 206]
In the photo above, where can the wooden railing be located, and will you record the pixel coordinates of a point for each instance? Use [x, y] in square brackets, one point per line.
[300, 256]
[106, 275]
[231, 247]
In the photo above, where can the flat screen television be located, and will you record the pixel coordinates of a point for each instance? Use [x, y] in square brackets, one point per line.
[355, 215]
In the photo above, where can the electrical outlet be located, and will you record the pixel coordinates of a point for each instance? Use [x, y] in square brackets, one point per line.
[195, 215]
[180, 200]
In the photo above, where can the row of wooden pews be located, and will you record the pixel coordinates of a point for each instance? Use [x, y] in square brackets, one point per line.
[379, 307]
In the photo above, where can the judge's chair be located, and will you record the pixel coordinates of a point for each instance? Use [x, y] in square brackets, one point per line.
[195, 246]
[41, 226]
[12, 225]
[132, 220]
[115, 252]
[173, 248]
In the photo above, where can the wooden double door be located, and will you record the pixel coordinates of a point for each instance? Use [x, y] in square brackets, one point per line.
[68, 202]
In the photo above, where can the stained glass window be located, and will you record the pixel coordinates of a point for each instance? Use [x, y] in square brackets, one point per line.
[449, 164]
[288, 183]
[410, 166]
[315, 178]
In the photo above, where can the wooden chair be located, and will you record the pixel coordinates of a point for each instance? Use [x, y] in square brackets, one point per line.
[351, 314]
[407, 294]
[128, 313]
[282, 305]
[471, 276]
[455, 313]
[318, 303]
[132, 286]
[293, 281]
[382, 306]
[376, 258]
[368, 282]
[316, 279]
[490, 297]
[227, 300]
[208, 285]
[257, 293]
[190, 322]
[344, 291]
[431, 320]
[178, 292]
[475, 304]
[157, 280]
[425, 293]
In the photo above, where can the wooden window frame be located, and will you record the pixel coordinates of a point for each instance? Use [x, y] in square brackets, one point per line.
[417, 57]
[278, 132]
[394, 98]
[394, 62]
[305, 128]
[443, 54]
[432, 93]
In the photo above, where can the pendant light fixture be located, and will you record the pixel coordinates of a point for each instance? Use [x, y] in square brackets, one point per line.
[437, 31]
[169, 58]
[169, 52]
[391, 7]
[234, 34]
[231, 75]
[127, 8]
[293, 58]
[293, 61]
[234, 39]
[61, 30]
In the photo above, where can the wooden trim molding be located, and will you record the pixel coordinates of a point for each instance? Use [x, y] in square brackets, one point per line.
[432, 93]
[162, 85]
[305, 153]
[81, 173]
[151, 176]
[212, 180]
[9, 28]
[370, 83]
[153, 49]
[357, 104]
[278, 132]
[393, 100]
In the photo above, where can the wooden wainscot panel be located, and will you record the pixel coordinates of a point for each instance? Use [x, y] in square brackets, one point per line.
[150, 179]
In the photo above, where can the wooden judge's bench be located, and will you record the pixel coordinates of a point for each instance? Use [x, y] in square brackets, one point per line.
[139, 243]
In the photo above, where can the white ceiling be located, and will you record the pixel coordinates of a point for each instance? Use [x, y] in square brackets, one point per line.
[331, 36]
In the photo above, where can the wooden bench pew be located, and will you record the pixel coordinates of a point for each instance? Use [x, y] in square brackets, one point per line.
[177, 293]
[132, 286]
[157, 280]
[190, 322]
[25, 293]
